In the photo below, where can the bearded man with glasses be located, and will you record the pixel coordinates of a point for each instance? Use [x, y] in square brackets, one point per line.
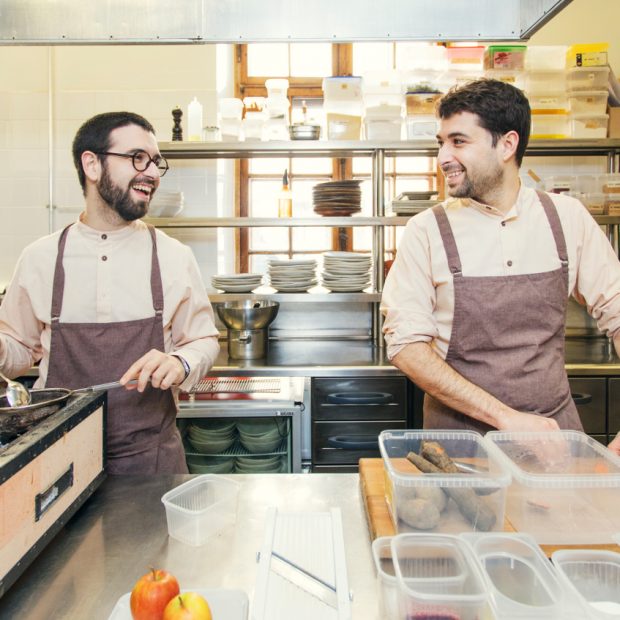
[110, 298]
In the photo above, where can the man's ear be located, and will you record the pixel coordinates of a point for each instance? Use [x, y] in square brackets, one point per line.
[509, 142]
[91, 166]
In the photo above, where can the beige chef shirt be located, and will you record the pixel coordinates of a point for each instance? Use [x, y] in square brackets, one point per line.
[107, 279]
[418, 297]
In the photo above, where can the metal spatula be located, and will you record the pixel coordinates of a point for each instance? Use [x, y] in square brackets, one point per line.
[16, 394]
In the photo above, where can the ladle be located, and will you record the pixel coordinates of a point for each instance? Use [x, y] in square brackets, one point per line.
[16, 394]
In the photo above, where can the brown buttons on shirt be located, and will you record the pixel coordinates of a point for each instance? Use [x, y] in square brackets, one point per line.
[104, 236]
[503, 223]
[104, 258]
[509, 263]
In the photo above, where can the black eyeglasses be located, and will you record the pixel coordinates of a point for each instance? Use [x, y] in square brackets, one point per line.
[141, 160]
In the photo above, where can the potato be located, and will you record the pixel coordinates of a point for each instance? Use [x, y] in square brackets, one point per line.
[435, 495]
[421, 514]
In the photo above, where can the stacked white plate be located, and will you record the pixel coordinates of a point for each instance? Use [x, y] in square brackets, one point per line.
[211, 436]
[237, 282]
[260, 434]
[346, 272]
[166, 204]
[292, 276]
[259, 464]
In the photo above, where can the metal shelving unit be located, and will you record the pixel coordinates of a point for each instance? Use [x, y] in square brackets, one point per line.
[378, 151]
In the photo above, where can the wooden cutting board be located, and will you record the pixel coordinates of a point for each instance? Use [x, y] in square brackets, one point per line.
[372, 483]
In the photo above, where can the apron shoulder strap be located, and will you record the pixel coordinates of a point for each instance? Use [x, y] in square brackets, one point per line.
[157, 290]
[556, 226]
[449, 243]
[58, 287]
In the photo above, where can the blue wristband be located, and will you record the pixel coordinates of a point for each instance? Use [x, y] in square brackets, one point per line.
[186, 367]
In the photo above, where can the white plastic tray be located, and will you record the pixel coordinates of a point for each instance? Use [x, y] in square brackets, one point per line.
[224, 604]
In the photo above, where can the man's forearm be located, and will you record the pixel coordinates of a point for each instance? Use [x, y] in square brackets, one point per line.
[437, 378]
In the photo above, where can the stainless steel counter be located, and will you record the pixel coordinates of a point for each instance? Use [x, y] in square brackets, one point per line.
[121, 531]
[328, 358]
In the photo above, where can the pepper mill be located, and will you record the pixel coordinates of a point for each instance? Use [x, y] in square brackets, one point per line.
[177, 130]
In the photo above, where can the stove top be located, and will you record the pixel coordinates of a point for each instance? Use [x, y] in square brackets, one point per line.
[268, 389]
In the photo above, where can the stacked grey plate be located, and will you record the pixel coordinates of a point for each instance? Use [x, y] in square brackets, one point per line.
[259, 434]
[346, 272]
[292, 276]
[210, 464]
[259, 464]
[211, 436]
[237, 282]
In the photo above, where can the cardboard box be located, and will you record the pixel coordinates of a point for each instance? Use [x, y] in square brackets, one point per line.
[614, 123]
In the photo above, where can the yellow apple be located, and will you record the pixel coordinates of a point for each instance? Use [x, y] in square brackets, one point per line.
[187, 606]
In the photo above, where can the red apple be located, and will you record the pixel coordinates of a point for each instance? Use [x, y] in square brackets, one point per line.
[187, 606]
[151, 594]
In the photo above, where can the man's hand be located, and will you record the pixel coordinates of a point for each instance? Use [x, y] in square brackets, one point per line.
[614, 445]
[520, 421]
[161, 369]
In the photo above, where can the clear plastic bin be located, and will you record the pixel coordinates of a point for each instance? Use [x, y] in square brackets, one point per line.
[438, 576]
[421, 127]
[200, 508]
[471, 500]
[343, 126]
[342, 95]
[551, 82]
[561, 183]
[587, 55]
[593, 579]
[504, 57]
[523, 582]
[550, 126]
[277, 88]
[388, 593]
[565, 485]
[231, 108]
[464, 57]
[510, 76]
[588, 101]
[587, 78]
[383, 129]
[422, 103]
[545, 57]
[592, 126]
[549, 104]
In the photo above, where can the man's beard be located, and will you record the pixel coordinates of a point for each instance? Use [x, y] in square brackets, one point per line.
[122, 201]
[479, 186]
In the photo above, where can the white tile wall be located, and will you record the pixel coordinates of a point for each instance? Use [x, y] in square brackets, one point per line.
[87, 80]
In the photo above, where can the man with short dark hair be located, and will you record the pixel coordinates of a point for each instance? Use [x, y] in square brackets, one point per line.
[475, 301]
[110, 298]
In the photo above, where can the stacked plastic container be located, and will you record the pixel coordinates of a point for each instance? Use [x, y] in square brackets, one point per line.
[545, 85]
[588, 76]
[599, 193]
[255, 118]
[506, 63]
[230, 114]
[343, 107]
[383, 105]
[277, 104]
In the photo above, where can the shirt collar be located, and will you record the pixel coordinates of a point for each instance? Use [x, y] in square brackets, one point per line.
[491, 211]
[116, 235]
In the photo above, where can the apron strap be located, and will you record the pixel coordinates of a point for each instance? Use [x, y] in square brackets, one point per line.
[556, 226]
[157, 291]
[449, 243]
[58, 288]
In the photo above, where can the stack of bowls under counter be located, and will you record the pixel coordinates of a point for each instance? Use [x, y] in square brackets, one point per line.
[346, 272]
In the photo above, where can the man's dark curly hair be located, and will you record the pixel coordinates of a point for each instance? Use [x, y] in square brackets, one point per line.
[500, 107]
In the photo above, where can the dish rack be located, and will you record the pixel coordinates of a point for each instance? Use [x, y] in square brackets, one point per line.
[410, 203]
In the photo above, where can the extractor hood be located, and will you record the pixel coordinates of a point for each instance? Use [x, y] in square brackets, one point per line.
[51, 22]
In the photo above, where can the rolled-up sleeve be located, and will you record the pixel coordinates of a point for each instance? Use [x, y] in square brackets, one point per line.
[597, 283]
[409, 297]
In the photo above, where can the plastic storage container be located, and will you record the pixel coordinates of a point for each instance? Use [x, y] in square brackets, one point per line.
[421, 127]
[277, 88]
[551, 82]
[522, 581]
[388, 593]
[592, 126]
[549, 104]
[510, 76]
[588, 101]
[545, 57]
[587, 55]
[505, 57]
[593, 579]
[422, 103]
[565, 485]
[465, 57]
[343, 126]
[438, 576]
[200, 508]
[343, 95]
[471, 500]
[231, 108]
[587, 78]
[550, 126]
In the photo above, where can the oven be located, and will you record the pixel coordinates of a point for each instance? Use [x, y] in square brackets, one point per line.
[243, 425]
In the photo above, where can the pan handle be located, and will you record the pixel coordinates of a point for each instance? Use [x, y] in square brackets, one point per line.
[354, 442]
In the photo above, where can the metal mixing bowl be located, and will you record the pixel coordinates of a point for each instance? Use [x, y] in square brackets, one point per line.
[248, 314]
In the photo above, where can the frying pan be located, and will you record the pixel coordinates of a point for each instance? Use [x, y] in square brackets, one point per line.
[16, 420]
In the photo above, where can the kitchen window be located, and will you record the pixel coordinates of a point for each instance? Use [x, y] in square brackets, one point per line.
[260, 180]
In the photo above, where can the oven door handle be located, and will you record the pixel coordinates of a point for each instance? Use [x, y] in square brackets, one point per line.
[354, 442]
[581, 399]
[359, 398]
